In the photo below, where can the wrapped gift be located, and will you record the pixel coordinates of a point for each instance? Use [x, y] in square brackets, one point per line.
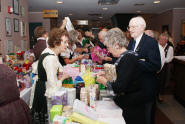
[110, 72]
[82, 108]
[88, 78]
[55, 110]
[59, 120]
[60, 98]
[71, 96]
[83, 119]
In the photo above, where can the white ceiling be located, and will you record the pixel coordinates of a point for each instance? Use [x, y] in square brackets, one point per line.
[81, 8]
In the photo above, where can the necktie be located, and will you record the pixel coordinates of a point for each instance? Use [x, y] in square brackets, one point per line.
[133, 45]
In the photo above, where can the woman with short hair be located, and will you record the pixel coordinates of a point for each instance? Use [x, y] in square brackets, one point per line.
[128, 85]
[48, 67]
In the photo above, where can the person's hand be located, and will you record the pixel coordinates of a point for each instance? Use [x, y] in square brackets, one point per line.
[100, 73]
[87, 45]
[86, 56]
[107, 58]
[80, 57]
[85, 50]
[64, 76]
[64, 22]
[102, 80]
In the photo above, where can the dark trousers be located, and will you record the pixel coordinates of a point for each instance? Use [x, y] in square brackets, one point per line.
[134, 114]
[150, 110]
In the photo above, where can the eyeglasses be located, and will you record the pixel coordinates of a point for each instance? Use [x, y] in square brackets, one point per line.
[132, 27]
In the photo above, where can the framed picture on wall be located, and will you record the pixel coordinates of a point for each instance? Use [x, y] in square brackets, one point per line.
[16, 25]
[8, 27]
[0, 5]
[23, 45]
[9, 46]
[23, 28]
[15, 6]
[22, 11]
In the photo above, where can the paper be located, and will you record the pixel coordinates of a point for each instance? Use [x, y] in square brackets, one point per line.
[69, 25]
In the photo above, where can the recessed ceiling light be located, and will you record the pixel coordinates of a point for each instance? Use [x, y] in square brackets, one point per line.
[70, 14]
[138, 11]
[157, 1]
[59, 2]
[105, 8]
[100, 17]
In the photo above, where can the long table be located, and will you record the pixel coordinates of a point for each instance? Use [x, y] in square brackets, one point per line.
[25, 95]
[109, 112]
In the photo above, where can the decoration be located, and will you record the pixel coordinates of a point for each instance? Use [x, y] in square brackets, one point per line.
[10, 9]
[9, 45]
[15, 7]
[8, 26]
[22, 11]
[23, 28]
[16, 25]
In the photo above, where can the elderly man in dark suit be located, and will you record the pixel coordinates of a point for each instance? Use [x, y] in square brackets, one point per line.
[150, 62]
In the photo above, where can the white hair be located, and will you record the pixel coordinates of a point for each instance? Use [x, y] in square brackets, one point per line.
[139, 21]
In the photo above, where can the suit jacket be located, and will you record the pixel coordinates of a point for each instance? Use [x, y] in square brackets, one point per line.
[150, 63]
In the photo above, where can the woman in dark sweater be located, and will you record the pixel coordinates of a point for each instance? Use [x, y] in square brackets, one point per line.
[128, 85]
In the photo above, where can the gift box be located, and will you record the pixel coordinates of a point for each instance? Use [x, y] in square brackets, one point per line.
[55, 110]
[60, 98]
[59, 120]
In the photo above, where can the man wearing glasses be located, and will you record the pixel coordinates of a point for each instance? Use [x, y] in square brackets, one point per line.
[150, 62]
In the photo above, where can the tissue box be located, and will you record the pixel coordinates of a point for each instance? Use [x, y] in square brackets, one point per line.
[55, 110]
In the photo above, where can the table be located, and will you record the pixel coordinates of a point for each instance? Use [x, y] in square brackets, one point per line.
[109, 112]
[25, 95]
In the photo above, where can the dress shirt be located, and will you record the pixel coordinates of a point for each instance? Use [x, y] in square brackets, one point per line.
[162, 53]
[170, 54]
[137, 41]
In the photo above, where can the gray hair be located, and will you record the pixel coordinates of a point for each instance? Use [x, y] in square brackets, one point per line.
[73, 36]
[139, 20]
[102, 33]
[115, 36]
[164, 35]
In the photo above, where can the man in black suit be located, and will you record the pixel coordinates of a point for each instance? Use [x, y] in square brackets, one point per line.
[150, 62]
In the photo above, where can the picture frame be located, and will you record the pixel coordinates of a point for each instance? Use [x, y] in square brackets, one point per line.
[23, 29]
[9, 46]
[8, 26]
[23, 45]
[16, 25]
[15, 6]
[22, 11]
[0, 5]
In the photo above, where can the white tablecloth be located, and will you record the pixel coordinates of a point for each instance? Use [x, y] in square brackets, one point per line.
[109, 112]
[25, 95]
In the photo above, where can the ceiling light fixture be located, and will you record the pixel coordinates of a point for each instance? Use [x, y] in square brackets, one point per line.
[157, 1]
[59, 2]
[105, 8]
[138, 11]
